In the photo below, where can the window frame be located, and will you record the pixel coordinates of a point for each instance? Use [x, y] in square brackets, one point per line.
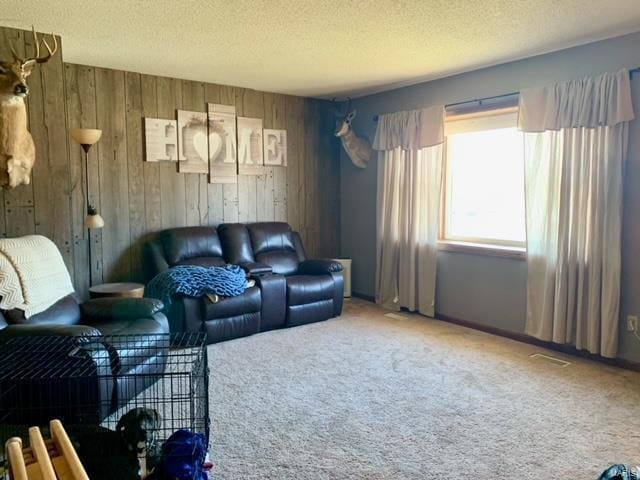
[484, 246]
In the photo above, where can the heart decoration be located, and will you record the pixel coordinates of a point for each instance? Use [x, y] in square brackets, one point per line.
[215, 145]
[200, 145]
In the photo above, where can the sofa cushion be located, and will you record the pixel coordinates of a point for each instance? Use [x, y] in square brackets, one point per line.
[15, 316]
[129, 352]
[282, 262]
[139, 326]
[236, 243]
[297, 243]
[110, 309]
[269, 236]
[65, 311]
[203, 262]
[303, 289]
[181, 244]
[273, 243]
[250, 301]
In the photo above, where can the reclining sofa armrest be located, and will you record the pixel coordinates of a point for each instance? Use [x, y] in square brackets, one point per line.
[186, 314]
[155, 257]
[273, 289]
[76, 356]
[108, 309]
[42, 330]
[338, 292]
[319, 267]
[256, 268]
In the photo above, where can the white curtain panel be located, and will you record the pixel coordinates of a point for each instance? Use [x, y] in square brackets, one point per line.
[408, 207]
[575, 149]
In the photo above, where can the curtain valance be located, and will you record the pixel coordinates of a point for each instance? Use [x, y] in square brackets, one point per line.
[411, 130]
[584, 102]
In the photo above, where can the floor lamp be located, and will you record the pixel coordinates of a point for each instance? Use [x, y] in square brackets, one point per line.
[87, 137]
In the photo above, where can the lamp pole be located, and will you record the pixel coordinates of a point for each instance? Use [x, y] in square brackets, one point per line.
[88, 137]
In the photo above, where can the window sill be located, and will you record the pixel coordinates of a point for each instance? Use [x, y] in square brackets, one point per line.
[516, 253]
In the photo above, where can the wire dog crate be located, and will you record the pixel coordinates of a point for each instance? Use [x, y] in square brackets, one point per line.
[120, 397]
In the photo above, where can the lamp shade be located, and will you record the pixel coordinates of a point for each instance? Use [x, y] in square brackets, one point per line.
[93, 221]
[85, 136]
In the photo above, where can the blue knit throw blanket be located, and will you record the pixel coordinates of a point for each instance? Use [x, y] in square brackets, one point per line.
[193, 281]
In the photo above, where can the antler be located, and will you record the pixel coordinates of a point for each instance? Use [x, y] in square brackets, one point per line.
[16, 57]
[340, 113]
[333, 109]
[37, 59]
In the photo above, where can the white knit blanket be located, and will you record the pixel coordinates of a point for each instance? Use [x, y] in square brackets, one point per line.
[33, 275]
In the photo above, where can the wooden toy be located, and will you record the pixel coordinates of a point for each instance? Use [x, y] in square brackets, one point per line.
[52, 459]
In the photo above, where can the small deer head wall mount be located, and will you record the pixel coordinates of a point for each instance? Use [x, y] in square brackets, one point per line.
[358, 148]
[17, 150]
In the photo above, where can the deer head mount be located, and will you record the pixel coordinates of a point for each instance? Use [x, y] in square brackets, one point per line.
[358, 148]
[17, 150]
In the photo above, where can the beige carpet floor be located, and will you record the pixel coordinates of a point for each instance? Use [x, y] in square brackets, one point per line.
[366, 396]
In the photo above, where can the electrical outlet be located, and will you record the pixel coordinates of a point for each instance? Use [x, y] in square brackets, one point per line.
[632, 323]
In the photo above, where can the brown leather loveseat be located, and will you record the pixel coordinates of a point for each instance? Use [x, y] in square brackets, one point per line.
[290, 289]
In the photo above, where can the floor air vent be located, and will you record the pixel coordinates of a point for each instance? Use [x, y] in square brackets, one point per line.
[549, 359]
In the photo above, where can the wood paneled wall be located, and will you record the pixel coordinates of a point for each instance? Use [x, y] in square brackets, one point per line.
[138, 198]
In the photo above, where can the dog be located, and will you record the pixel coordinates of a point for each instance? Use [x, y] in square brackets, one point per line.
[138, 430]
[131, 452]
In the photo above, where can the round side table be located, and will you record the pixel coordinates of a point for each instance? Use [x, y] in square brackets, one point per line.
[120, 290]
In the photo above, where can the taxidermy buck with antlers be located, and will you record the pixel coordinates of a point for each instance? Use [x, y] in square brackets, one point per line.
[358, 148]
[17, 150]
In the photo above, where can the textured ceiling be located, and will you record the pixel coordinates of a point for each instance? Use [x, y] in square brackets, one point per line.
[317, 48]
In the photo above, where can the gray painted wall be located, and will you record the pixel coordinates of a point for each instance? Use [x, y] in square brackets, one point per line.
[491, 290]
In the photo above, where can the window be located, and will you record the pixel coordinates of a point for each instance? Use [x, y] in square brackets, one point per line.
[484, 187]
